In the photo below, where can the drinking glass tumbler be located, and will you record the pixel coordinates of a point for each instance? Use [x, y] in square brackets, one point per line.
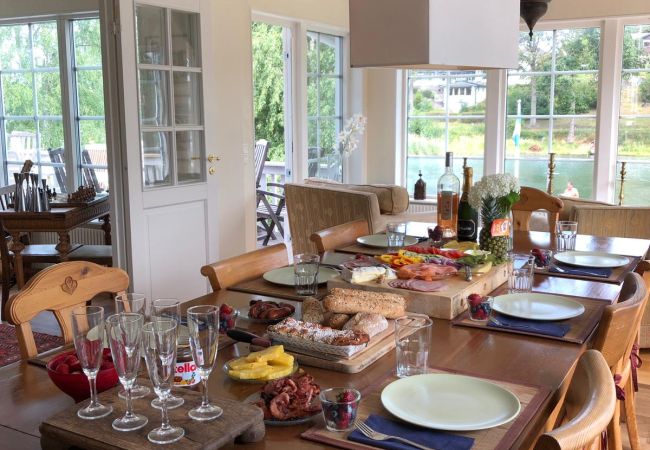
[168, 308]
[305, 269]
[159, 344]
[125, 338]
[203, 326]
[566, 235]
[340, 407]
[133, 303]
[412, 342]
[521, 273]
[395, 234]
[88, 333]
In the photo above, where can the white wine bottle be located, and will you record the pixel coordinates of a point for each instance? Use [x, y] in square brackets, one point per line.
[448, 191]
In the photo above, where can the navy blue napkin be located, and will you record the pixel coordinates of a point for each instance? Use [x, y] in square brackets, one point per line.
[603, 272]
[435, 439]
[530, 326]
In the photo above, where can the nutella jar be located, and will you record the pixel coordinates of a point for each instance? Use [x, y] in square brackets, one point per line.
[185, 374]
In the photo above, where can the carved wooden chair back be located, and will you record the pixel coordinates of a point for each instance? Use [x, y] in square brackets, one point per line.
[59, 289]
[261, 151]
[228, 272]
[588, 406]
[5, 256]
[532, 200]
[339, 235]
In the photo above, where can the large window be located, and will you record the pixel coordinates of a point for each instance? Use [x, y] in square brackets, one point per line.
[324, 104]
[32, 120]
[446, 112]
[634, 122]
[551, 107]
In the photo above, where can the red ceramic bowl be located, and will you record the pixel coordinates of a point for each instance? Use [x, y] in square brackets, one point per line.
[76, 384]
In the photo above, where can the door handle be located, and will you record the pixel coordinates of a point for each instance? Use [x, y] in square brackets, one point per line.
[213, 158]
[211, 170]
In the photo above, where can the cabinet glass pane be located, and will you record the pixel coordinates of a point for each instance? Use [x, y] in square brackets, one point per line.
[185, 39]
[155, 155]
[189, 158]
[151, 31]
[154, 95]
[187, 98]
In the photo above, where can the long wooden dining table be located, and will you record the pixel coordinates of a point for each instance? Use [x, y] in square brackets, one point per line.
[27, 396]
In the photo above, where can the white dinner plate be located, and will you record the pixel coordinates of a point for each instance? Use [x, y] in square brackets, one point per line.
[285, 275]
[380, 240]
[450, 402]
[536, 306]
[591, 259]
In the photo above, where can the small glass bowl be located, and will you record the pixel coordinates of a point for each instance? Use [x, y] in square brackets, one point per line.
[543, 258]
[480, 311]
[338, 413]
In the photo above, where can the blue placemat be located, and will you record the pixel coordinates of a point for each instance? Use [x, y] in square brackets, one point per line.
[602, 272]
[430, 438]
[530, 326]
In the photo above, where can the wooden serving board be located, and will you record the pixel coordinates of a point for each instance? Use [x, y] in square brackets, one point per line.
[378, 346]
[445, 304]
[239, 421]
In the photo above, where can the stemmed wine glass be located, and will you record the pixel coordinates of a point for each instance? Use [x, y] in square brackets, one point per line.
[133, 303]
[169, 308]
[125, 338]
[159, 343]
[203, 326]
[88, 333]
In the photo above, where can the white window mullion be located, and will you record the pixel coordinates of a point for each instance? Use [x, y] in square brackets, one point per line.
[68, 102]
[609, 96]
[494, 153]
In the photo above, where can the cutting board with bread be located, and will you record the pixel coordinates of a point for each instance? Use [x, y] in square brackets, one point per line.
[445, 303]
[346, 332]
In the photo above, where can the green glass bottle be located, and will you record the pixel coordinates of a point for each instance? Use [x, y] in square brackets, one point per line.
[467, 216]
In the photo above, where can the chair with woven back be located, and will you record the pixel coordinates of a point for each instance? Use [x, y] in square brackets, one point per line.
[532, 200]
[615, 338]
[231, 271]
[587, 407]
[339, 235]
[59, 289]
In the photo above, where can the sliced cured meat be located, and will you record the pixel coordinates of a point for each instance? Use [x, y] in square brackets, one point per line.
[398, 284]
[425, 271]
[425, 286]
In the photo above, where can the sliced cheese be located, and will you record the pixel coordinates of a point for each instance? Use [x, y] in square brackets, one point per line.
[362, 274]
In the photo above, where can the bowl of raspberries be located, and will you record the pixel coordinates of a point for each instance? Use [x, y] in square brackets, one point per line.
[66, 373]
[340, 408]
[479, 307]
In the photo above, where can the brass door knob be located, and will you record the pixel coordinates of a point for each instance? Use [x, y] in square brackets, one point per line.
[211, 170]
[213, 158]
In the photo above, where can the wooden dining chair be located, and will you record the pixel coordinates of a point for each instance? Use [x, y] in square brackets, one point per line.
[588, 406]
[339, 235]
[617, 332]
[532, 200]
[59, 289]
[228, 272]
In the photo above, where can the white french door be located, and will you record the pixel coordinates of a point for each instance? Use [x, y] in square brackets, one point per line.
[169, 161]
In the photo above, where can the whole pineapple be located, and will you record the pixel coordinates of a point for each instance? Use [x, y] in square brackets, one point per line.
[498, 246]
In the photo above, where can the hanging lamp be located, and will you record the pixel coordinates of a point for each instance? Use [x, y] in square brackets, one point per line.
[531, 11]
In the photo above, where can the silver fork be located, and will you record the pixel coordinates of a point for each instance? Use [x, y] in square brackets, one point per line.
[377, 436]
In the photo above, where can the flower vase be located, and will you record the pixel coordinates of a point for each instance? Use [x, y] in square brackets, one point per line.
[496, 234]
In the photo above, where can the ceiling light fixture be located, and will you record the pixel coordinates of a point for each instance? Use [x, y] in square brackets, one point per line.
[531, 11]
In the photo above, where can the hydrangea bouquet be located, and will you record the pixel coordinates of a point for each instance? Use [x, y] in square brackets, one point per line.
[493, 196]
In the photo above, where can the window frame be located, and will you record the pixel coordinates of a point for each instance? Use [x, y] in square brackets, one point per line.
[69, 104]
[343, 63]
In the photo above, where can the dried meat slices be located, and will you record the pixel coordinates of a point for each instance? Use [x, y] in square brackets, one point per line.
[425, 271]
[414, 284]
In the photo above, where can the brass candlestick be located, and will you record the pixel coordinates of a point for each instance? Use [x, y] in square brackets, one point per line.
[621, 196]
[551, 173]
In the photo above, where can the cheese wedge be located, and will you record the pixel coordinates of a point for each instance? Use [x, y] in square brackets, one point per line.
[362, 274]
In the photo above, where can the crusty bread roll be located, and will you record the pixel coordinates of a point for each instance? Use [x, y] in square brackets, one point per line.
[312, 311]
[352, 301]
[368, 323]
[335, 320]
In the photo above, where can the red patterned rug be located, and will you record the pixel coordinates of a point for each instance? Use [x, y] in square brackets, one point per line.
[9, 351]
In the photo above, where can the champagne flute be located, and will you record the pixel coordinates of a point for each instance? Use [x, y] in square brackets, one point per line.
[169, 308]
[159, 343]
[133, 303]
[203, 326]
[88, 333]
[125, 338]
